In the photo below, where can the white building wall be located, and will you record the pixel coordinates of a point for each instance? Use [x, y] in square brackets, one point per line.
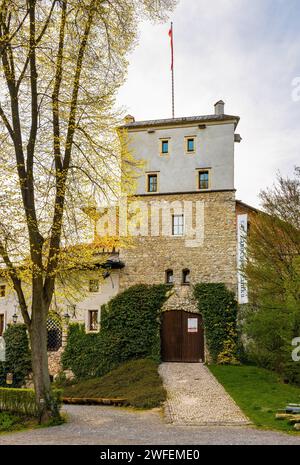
[90, 300]
[178, 169]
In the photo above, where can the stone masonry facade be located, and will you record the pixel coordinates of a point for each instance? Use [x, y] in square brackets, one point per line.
[214, 261]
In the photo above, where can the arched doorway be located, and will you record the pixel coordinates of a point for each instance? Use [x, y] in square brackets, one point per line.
[182, 337]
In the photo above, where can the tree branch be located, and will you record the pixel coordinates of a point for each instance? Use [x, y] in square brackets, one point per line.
[17, 285]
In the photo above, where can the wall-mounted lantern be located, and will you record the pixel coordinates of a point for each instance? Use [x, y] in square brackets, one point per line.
[67, 318]
[9, 378]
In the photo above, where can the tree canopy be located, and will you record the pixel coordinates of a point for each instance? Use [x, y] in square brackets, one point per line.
[273, 273]
[62, 62]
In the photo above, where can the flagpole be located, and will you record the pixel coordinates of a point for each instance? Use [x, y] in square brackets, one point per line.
[171, 35]
[173, 90]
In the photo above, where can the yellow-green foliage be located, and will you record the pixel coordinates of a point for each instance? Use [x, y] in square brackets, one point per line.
[228, 354]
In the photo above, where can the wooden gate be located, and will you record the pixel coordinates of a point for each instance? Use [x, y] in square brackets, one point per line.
[182, 337]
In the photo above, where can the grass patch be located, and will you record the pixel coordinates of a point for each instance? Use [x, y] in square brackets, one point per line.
[137, 381]
[11, 422]
[258, 392]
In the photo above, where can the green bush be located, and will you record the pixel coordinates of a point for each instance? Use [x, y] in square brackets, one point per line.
[130, 329]
[270, 331]
[8, 421]
[136, 381]
[291, 372]
[18, 357]
[22, 401]
[219, 309]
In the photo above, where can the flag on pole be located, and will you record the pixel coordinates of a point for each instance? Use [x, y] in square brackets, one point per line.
[172, 48]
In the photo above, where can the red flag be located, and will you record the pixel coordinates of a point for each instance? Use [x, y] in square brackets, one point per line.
[172, 48]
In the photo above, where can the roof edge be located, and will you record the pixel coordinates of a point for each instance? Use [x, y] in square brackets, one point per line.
[181, 120]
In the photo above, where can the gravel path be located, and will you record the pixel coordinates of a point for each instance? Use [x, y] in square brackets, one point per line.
[117, 426]
[195, 397]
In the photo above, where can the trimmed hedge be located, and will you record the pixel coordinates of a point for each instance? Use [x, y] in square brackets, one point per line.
[219, 309]
[130, 329]
[23, 401]
[18, 357]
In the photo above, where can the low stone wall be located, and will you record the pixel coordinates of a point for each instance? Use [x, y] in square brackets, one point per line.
[54, 362]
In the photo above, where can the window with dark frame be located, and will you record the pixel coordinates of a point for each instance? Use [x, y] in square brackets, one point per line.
[164, 146]
[94, 285]
[190, 142]
[169, 277]
[186, 276]
[2, 290]
[203, 179]
[152, 182]
[1, 324]
[93, 320]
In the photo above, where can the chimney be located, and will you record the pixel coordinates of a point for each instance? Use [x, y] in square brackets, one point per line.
[219, 108]
[129, 119]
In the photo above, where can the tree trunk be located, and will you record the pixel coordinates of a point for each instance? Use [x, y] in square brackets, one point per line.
[38, 340]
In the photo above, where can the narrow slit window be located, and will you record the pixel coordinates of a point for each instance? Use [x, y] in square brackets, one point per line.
[169, 277]
[203, 179]
[186, 276]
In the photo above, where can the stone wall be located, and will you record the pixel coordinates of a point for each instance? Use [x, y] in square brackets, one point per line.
[54, 358]
[213, 261]
[148, 257]
[54, 362]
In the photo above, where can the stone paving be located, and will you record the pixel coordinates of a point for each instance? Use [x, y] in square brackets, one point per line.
[195, 397]
[119, 426]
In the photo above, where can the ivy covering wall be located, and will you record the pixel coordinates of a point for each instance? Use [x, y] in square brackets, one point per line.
[18, 357]
[219, 309]
[130, 329]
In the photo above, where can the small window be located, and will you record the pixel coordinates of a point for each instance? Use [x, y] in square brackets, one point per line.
[2, 290]
[203, 179]
[177, 225]
[164, 147]
[93, 320]
[152, 183]
[186, 276]
[190, 144]
[169, 277]
[1, 324]
[94, 285]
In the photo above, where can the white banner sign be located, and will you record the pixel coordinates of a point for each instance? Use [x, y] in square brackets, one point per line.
[2, 349]
[242, 225]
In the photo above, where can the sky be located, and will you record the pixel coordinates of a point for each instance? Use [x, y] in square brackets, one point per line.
[244, 52]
